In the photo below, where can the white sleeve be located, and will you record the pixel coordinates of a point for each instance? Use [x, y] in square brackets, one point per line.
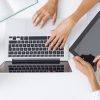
[95, 95]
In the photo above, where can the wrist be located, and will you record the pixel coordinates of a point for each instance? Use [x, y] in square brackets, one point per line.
[94, 84]
[76, 17]
[72, 21]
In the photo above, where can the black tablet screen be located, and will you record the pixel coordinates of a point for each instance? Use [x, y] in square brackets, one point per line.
[90, 43]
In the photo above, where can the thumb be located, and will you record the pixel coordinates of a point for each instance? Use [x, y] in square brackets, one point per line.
[54, 18]
[98, 65]
[96, 59]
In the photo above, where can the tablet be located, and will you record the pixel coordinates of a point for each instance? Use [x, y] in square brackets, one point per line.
[88, 44]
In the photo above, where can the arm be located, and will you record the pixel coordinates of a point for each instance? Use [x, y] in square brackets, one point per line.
[61, 32]
[94, 84]
[88, 71]
[85, 6]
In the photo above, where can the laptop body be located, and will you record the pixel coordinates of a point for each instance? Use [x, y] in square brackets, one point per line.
[25, 49]
[88, 44]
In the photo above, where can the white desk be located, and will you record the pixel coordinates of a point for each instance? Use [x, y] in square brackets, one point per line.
[65, 86]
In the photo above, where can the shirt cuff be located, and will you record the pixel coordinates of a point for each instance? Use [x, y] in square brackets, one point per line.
[95, 95]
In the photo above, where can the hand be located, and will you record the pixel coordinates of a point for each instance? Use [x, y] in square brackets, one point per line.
[84, 67]
[97, 60]
[60, 34]
[49, 10]
[87, 70]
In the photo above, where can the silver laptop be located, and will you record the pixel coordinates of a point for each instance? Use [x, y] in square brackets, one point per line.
[25, 49]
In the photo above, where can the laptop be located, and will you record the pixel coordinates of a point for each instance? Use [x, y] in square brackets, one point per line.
[87, 45]
[26, 52]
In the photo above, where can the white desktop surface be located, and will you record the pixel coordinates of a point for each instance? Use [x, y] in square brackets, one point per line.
[49, 86]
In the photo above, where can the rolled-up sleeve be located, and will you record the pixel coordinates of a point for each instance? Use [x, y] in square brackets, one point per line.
[95, 95]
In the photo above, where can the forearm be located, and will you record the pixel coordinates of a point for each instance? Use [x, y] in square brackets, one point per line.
[53, 1]
[94, 84]
[85, 6]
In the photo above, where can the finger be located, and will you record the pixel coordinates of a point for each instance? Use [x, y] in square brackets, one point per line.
[54, 18]
[96, 59]
[63, 44]
[43, 21]
[52, 44]
[77, 63]
[98, 65]
[38, 20]
[36, 15]
[79, 59]
[58, 44]
[49, 40]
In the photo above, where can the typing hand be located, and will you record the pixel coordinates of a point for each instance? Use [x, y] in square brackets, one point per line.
[60, 34]
[49, 10]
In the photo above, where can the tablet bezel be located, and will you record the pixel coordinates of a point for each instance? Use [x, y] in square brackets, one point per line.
[87, 29]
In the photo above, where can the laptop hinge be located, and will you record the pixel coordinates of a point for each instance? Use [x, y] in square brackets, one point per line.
[35, 61]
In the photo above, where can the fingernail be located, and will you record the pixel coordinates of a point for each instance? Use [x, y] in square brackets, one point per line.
[46, 44]
[60, 47]
[54, 49]
[93, 61]
[40, 26]
[34, 24]
[49, 49]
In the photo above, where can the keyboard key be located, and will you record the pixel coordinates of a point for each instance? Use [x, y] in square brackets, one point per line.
[10, 52]
[19, 52]
[25, 38]
[27, 52]
[12, 41]
[22, 38]
[29, 49]
[22, 41]
[25, 49]
[23, 52]
[26, 41]
[28, 45]
[31, 52]
[30, 41]
[24, 45]
[21, 49]
[17, 45]
[14, 38]
[62, 52]
[36, 45]
[17, 49]
[32, 45]
[13, 45]
[13, 49]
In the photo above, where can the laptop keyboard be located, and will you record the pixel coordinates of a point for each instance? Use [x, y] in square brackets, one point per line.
[36, 68]
[31, 46]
